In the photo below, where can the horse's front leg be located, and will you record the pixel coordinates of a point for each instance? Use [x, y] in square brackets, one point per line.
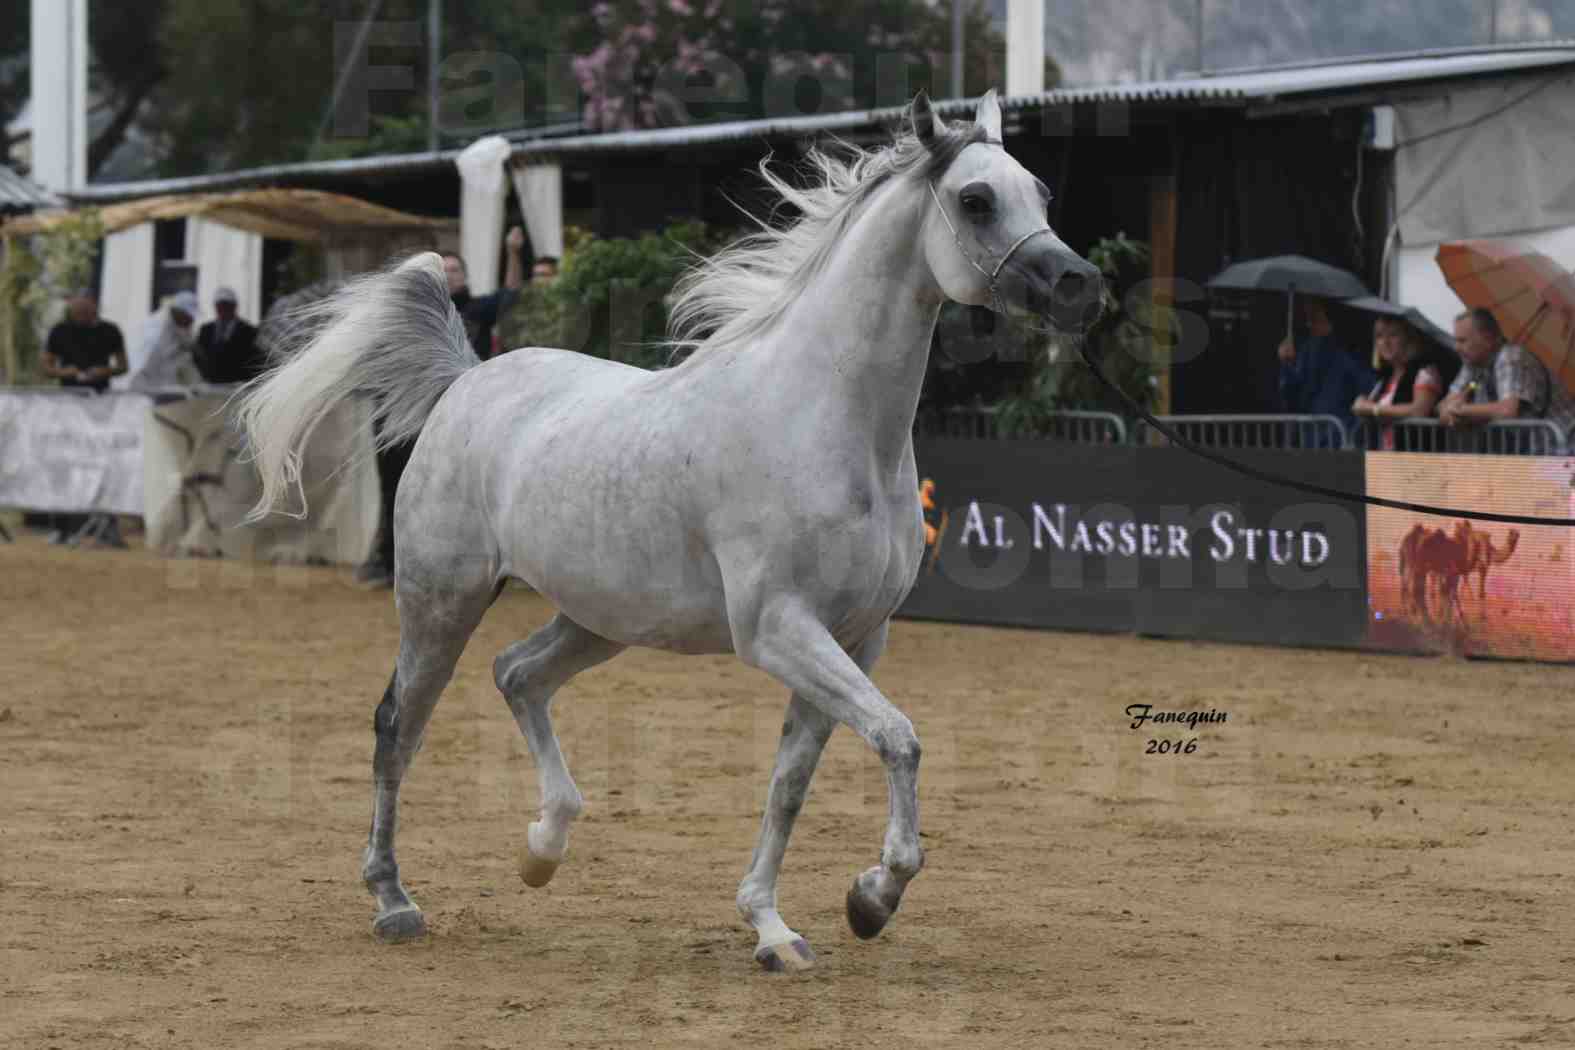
[784, 639]
[805, 730]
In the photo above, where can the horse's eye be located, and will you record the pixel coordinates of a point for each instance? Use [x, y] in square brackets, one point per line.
[977, 201]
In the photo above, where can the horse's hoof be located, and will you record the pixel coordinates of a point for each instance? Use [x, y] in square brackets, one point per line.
[866, 915]
[534, 870]
[787, 957]
[396, 927]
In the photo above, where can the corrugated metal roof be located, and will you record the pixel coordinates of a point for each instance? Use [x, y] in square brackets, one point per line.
[1347, 75]
[1227, 88]
[21, 194]
[386, 164]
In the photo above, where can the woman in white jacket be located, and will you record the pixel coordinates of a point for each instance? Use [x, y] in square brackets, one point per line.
[167, 341]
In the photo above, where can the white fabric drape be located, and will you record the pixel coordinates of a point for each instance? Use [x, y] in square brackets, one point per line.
[127, 296]
[1486, 161]
[486, 189]
[226, 257]
[540, 190]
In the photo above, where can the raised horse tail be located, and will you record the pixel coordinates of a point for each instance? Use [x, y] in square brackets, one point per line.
[392, 336]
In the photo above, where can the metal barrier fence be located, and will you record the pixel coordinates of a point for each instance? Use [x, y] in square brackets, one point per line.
[1081, 428]
[1256, 431]
[1515, 437]
[1508, 437]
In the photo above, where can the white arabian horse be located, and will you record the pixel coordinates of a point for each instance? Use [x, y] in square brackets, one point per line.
[759, 499]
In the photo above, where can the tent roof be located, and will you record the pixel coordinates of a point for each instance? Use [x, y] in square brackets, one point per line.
[18, 194]
[284, 214]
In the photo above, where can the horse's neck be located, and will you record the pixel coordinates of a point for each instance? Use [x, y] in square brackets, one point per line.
[859, 334]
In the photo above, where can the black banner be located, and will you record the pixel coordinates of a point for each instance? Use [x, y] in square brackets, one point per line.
[1268, 564]
[1151, 540]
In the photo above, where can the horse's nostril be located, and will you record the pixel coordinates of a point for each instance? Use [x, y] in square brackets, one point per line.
[1069, 289]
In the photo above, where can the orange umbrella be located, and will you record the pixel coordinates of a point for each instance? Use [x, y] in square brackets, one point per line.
[1532, 297]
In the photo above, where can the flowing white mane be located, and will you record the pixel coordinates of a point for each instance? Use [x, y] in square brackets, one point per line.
[726, 301]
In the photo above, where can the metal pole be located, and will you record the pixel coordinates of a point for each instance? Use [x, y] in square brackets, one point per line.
[1493, 22]
[434, 48]
[344, 74]
[1200, 36]
[957, 48]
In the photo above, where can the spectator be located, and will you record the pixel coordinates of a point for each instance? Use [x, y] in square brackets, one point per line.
[227, 350]
[1318, 376]
[1411, 381]
[83, 350]
[1500, 380]
[168, 339]
[480, 313]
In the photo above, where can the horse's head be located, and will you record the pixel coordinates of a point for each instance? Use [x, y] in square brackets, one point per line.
[988, 242]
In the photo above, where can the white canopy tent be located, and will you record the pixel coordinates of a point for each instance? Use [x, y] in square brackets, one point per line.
[224, 241]
[1496, 160]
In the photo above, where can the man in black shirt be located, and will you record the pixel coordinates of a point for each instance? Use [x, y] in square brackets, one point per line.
[480, 314]
[83, 350]
[226, 350]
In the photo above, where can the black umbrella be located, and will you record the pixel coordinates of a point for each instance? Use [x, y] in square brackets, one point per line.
[1290, 274]
[1371, 304]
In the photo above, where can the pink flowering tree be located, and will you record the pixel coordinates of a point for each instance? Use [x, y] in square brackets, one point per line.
[647, 47]
[653, 63]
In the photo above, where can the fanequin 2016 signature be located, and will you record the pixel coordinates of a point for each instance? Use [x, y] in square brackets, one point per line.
[1142, 713]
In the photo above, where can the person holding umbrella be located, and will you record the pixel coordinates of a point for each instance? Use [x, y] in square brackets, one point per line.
[1414, 378]
[1500, 380]
[1416, 363]
[1318, 376]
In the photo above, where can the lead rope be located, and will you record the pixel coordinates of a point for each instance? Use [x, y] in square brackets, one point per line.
[1197, 450]
[1318, 490]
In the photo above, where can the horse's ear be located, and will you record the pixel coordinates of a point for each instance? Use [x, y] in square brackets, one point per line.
[989, 116]
[926, 125]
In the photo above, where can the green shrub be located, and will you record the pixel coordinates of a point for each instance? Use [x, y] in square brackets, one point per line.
[610, 298]
[39, 272]
[1122, 342]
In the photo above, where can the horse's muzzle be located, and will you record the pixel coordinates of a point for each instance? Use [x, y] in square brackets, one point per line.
[1059, 284]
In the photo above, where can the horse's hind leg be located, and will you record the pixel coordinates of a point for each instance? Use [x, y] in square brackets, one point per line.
[528, 673]
[435, 623]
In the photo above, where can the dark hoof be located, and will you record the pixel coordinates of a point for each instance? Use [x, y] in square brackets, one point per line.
[534, 871]
[866, 917]
[792, 957]
[399, 926]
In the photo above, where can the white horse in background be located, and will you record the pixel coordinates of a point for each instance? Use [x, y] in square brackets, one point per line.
[777, 462]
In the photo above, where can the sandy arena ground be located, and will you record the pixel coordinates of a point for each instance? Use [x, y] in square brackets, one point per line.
[1372, 851]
